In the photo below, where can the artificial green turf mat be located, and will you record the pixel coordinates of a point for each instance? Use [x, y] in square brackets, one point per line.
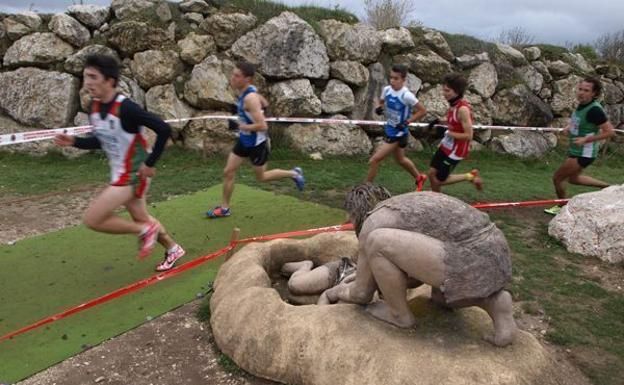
[56, 271]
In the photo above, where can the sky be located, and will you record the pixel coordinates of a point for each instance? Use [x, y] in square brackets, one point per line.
[549, 21]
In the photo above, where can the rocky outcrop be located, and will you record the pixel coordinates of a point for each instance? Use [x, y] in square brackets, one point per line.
[37, 49]
[284, 47]
[519, 106]
[69, 29]
[329, 139]
[591, 224]
[130, 37]
[428, 66]
[93, 16]
[437, 43]
[524, 144]
[194, 48]
[152, 68]
[483, 80]
[337, 97]
[228, 27]
[294, 98]
[39, 98]
[358, 42]
[163, 101]
[395, 40]
[208, 86]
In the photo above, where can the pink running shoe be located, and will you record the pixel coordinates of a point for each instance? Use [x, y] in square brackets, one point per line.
[148, 240]
[476, 179]
[420, 181]
[170, 258]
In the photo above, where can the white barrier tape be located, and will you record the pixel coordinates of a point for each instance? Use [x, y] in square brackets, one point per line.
[33, 136]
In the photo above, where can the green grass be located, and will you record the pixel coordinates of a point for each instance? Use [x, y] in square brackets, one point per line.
[582, 314]
[552, 52]
[59, 270]
[468, 45]
[264, 10]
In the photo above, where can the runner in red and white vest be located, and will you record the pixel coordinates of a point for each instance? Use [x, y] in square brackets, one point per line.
[455, 144]
[119, 129]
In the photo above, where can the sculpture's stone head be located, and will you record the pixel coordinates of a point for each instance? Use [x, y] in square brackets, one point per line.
[362, 199]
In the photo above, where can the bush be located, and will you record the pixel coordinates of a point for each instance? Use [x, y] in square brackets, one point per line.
[467, 45]
[586, 50]
[384, 14]
[516, 37]
[610, 46]
[552, 52]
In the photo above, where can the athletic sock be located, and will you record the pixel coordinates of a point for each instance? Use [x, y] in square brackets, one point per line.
[173, 248]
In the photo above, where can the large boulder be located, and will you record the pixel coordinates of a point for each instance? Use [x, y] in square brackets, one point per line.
[467, 61]
[337, 97]
[428, 66]
[197, 6]
[532, 53]
[564, 95]
[395, 40]
[75, 63]
[93, 16]
[438, 43]
[125, 9]
[611, 92]
[69, 29]
[558, 68]
[524, 144]
[228, 27]
[37, 49]
[329, 139]
[211, 136]
[543, 70]
[152, 68]
[435, 103]
[483, 80]
[351, 72]
[163, 101]
[615, 112]
[13, 29]
[194, 48]
[294, 98]
[413, 83]
[344, 41]
[39, 98]
[208, 87]
[591, 224]
[342, 344]
[130, 37]
[518, 106]
[482, 110]
[510, 54]
[284, 47]
[578, 61]
[366, 96]
[531, 77]
[21, 24]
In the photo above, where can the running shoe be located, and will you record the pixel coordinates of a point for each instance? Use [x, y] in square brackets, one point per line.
[218, 212]
[553, 210]
[299, 179]
[476, 179]
[148, 239]
[420, 181]
[170, 258]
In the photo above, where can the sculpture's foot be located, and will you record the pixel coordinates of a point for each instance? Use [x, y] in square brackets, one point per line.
[381, 310]
[289, 268]
[499, 307]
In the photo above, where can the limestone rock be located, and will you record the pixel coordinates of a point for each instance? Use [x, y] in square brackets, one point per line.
[612, 93]
[564, 95]
[531, 77]
[514, 56]
[532, 53]
[344, 41]
[615, 112]
[413, 83]
[152, 68]
[470, 61]
[75, 63]
[212, 137]
[39, 98]
[37, 49]
[337, 97]
[198, 6]
[294, 98]
[366, 95]
[130, 37]
[208, 87]
[194, 17]
[543, 70]
[578, 61]
[524, 144]
[483, 79]
[395, 40]
[329, 139]
[342, 344]
[131, 89]
[438, 44]
[518, 106]
[228, 27]
[434, 102]
[28, 18]
[559, 68]
[13, 29]
[69, 29]
[482, 110]
[351, 72]
[125, 9]
[591, 224]
[21, 24]
[194, 48]
[610, 71]
[163, 101]
[93, 16]
[284, 47]
[430, 67]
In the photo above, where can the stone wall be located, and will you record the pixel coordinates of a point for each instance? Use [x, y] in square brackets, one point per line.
[177, 58]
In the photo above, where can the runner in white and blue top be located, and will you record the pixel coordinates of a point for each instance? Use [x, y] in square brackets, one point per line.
[253, 141]
[401, 108]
